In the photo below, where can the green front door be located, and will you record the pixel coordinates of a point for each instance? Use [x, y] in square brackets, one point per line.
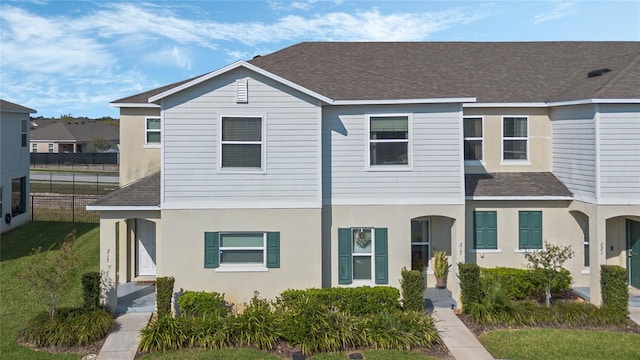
[633, 239]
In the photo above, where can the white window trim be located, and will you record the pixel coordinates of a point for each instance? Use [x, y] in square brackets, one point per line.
[481, 138]
[242, 267]
[146, 131]
[428, 268]
[51, 148]
[489, 251]
[263, 147]
[34, 148]
[367, 136]
[360, 282]
[504, 161]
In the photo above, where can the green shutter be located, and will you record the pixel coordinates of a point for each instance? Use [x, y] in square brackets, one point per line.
[382, 258]
[273, 249]
[211, 250]
[485, 227]
[530, 229]
[344, 256]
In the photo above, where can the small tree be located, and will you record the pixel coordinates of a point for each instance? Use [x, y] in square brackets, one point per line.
[100, 144]
[50, 272]
[547, 263]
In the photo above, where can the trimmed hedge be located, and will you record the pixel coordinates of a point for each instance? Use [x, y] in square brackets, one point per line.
[615, 290]
[164, 293]
[412, 286]
[91, 290]
[470, 288]
[522, 284]
[357, 301]
[201, 303]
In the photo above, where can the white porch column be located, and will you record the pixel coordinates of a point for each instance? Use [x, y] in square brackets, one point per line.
[108, 260]
[597, 255]
[458, 248]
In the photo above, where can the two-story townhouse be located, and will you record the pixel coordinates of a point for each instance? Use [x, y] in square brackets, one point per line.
[14, 162]
[337, 164]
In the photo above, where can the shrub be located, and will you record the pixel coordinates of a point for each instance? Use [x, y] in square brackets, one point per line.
[91, 290]
[164, 333]
[522, 284]
[398, 330]
[164, 293]
[547, 264]
[470, 289]
[257, 325]
[494, 306]
[200, 303]
[70, 327]
[412, 287]
[208, 332]
[615, 291]
[356, 301]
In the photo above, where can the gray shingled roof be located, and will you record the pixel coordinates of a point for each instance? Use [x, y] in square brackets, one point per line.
[11, 107]
[143, 97]
[80, 130]
[520, 184]
[490, 71]
[142, 192]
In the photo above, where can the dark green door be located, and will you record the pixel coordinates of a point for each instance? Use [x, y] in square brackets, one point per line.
[633, 238]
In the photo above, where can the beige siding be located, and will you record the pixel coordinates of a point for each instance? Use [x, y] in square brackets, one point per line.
[539, 153]
[182, 252]
[136, 159]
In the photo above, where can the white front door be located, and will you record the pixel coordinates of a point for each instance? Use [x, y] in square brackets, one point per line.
[146, 248]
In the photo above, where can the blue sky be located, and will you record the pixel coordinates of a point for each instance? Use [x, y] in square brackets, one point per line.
[74, 57]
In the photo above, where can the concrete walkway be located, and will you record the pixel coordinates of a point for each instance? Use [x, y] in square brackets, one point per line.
[122, 344]
[462, 344]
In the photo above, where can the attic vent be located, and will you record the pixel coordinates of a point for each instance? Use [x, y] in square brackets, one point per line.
[598, 72]
[241, 91]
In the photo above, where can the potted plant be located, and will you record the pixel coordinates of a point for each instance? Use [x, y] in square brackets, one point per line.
[440, 268]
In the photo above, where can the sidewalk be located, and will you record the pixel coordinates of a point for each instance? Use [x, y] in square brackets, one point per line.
[462, 344]
[122, 344]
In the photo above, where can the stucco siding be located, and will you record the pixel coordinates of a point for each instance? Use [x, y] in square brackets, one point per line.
[435, 146]
[619, 154]
[574, 149]
[300, 251]
[291, 125]
[137, 160]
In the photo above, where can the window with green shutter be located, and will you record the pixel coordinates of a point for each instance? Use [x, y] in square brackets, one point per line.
[485, 234]
[530, 230]
[236, 249]
[362, 255]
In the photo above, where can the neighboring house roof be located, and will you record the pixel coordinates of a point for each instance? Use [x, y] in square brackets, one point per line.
[79, 131]
[144, 192]
[515, 184]
[11, 107]
[143, 98]
[492, 72]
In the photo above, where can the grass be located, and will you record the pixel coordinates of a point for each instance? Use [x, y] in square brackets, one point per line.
[17, 304]
[79, 188]
[561, 344]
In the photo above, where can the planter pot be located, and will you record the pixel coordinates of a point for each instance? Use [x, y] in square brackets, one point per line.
[441, 283]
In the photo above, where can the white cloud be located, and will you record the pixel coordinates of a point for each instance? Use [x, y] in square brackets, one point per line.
[560, 10]
[170, 56]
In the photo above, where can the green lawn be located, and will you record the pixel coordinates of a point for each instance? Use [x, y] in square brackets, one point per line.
[559, 344]
[17, 304]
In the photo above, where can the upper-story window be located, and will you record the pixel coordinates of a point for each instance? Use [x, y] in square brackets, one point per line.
[24, 133]
[515, 138]
[242, 142]
[389, 140]
[473, 139]
[152, 131]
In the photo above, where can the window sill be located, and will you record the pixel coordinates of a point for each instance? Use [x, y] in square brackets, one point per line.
[490, 251]
[585, 271]
[389, 168]
[524, 251]
[242, 171]
[515, 162]
[242, 269]
[152, 146]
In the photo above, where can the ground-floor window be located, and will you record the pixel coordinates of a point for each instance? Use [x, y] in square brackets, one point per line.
[18, 196]
[420, 244]
[485, 230]
[585, 234]
[530, 230]
[242, 249]
[362, 255]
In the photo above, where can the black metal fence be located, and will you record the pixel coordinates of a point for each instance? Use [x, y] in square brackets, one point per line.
[69, 208]
[73, 183]
[63, 159]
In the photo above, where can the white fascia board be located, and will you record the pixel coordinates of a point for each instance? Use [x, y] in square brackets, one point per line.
[595, 101]
[134, 105]
[121, 208]
[248, 204]
[18, 111]
[495, 105]
[518, 198]
[233, 66]
[393, 201]
[404, 101]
